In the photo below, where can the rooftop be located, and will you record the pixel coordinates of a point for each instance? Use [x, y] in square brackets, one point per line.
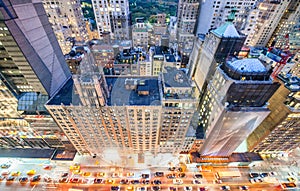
[247, 65]
[226, 30]
[175, 78]
[125, 91]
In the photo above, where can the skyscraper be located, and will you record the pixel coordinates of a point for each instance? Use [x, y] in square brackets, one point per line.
[278, 132]
[122, 113]
[187, 14]
[113, 17]
[235, 104]
[32, 69]
[246, 15]
[67, 22]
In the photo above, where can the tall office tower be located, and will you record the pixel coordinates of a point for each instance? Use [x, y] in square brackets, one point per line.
[67, 22]
[270, 14]
[98, 113]
[187, 14]
[219, 10]
[32, 67]
[218, 45]
[278, 132]
[179, 105]
[114, 17]
[235, 104]
[287, 29]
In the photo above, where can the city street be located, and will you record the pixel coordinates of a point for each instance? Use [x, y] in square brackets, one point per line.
[115, 173]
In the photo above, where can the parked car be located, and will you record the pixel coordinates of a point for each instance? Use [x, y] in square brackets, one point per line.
[159, 174]
[23, 180]
[30, 172]
[188, 188]
[98, 180]
[253, 174]
[145, 176]
[196, 181]
[172, 188]
[155, 188]
[141, 188]
[124, 181]
[202, 188]
[75, 180]
[197, 176]
[171, 176]
[115, 188]
[10, 178]
[35, 178]
[225, 188]
[47, 178]
[243, 187]
[5, 165]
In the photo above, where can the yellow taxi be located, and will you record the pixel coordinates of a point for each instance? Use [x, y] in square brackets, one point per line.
[15, 173]
[31, 172]
[100, 174]
[86, 174]
[74, 167]
[110, 181]
[77, 172]
[130, 188]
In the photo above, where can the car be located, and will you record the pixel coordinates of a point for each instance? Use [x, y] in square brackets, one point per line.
[225, 188]
[64, 174]
[75, 180]
[253, 175]
[172, 169]
[130, 174]
[202, 188]
[288, 185]
[115, 188]
[2, 178]
[47, 167]
[5, 172]
[134, 181]
[218, 181]
[197, 176]
[243, 187]
[63, 180]
[77, 172]
[124, 181]
[155, 188]
[30, 172]
[98, 180]
[156, 182]
[292, 174]
[264, 174]
[23, 180]
[181, 175]
[196, 181]
[273, 173]
[188, 188]
[10, 178]
[291, 179]
[255, 180]
[5, 165]
[100, 174]
[159, 174]
[35, 178]
[171, 176]
[145, 176]
[15, 173]
[47, 178]
[172, 188]
[177, 181]
[110, 181]
[74, 167]
[86, 174]
[141, 188]
[145, 181]
[115, 175]
[130, 188]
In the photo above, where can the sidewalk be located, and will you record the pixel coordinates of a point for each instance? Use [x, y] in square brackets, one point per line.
[115, 159]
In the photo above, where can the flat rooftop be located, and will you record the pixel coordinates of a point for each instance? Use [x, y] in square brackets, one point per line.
[175, 78]
[122, 93]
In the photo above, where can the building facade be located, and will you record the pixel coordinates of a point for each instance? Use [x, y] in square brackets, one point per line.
[67, 22]
[187, 14]
[113, 17]
[277, 133]
[123, 113]
[32, 70]
[234, 105]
